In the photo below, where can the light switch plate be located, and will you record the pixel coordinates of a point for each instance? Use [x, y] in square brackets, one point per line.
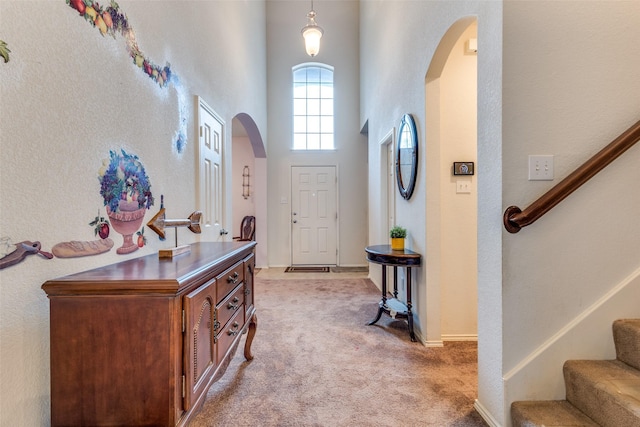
[541, 167]
[463, 186]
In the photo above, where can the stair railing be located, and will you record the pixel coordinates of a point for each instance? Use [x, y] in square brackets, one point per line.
[514, 218]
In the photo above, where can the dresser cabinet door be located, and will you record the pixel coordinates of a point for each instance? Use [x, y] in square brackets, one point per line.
[199, 307]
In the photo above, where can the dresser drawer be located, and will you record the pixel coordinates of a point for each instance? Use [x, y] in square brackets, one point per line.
[229, 333]
[232, 303]
[228, 281]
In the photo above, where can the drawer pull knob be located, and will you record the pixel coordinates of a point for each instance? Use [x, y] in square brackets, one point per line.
[233, 278]
[233, 331]
[232, 306]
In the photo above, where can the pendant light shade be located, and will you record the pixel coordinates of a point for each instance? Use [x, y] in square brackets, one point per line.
[312, 34]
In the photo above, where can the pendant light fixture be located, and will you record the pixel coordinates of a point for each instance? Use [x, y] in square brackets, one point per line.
[312, 33]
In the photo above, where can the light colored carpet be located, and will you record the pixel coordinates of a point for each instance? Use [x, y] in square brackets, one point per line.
[317, 363]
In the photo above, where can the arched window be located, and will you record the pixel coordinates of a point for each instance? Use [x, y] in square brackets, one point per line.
[313, 107]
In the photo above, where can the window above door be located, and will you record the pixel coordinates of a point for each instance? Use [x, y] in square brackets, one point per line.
[313, 107]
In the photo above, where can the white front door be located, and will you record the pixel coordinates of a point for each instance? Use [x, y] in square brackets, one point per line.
[314, 215]
[210, 177]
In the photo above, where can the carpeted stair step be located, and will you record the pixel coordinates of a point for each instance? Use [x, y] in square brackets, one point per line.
[626, 336]
[548, 413]
[607, 391]
[598, 392]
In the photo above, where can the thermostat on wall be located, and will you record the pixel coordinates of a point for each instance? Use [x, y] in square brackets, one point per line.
[463, 168]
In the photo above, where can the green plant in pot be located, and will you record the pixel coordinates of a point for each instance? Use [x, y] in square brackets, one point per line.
[397, 234]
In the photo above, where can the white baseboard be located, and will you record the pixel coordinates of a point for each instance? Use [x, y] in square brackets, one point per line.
[460, 337]
[485, 414]
[421, 339]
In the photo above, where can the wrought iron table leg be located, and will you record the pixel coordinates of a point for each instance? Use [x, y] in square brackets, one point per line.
[378, 316]
[409, 312]
[383, 302]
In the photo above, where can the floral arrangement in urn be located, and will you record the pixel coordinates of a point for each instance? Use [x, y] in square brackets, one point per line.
[123, 180]
[126, 191]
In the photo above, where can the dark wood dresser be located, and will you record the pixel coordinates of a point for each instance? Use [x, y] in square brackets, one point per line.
[139, 343]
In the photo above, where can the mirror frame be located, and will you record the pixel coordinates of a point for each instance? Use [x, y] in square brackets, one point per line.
[407, 184]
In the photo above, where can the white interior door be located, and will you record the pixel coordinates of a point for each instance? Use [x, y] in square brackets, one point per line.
[314, 215]
[210, 177]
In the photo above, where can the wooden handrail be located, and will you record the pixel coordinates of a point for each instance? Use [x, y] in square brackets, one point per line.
[514, 218]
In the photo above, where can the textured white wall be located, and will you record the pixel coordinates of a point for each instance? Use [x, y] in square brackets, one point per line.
[398, 42]
[68, 95]
[339, 48]
[570, 87]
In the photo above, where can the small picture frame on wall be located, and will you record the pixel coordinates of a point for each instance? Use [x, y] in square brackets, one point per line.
[463, 168]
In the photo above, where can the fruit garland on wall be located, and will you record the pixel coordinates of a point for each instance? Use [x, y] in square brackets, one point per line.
[110, 20]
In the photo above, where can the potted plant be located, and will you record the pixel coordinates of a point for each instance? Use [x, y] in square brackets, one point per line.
[397, 234]
[126, 191]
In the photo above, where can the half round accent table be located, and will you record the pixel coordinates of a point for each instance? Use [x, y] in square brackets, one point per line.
[385, 256]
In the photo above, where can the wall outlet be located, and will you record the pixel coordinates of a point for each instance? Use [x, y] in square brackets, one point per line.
[541, 167]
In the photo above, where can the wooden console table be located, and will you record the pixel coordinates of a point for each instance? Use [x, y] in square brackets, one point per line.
[385, 256]
[139, 342]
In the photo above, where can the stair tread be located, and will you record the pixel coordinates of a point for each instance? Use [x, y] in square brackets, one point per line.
[606, 390]
[598, 392]
[549, 413]
[606, 368]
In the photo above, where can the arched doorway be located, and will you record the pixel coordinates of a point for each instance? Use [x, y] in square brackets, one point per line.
[451, 126]
[249, 186]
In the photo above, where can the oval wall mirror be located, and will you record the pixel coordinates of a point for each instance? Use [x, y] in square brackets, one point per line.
[407, 156]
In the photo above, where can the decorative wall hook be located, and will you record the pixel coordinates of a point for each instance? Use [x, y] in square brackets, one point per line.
[245, 182]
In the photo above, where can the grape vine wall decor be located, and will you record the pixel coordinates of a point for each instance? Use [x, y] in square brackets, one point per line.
[110, 20]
